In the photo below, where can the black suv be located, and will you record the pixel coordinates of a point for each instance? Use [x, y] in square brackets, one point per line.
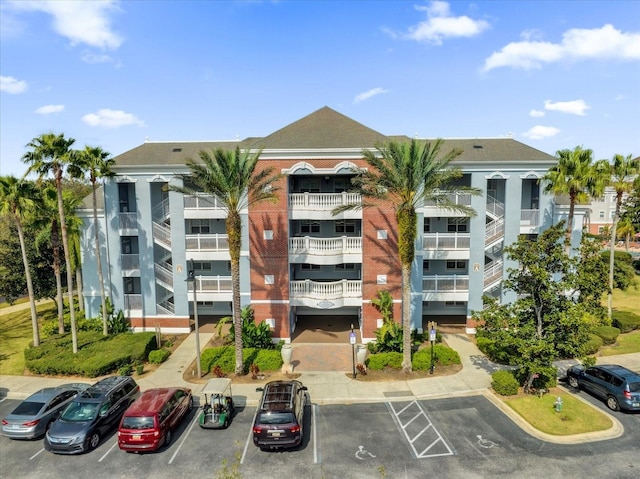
[91, 415]
[279, 419]
[617, 385]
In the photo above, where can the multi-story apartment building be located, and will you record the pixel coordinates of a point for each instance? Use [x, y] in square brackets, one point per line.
[298, 260]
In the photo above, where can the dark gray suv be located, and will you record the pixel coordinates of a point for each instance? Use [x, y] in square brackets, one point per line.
[280, 417]
[91, 415]
[617, 385]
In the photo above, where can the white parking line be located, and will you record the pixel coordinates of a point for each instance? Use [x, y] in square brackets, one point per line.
[420, 417]
[108, 451]
[249, 438]
[184, 437]
[36, 453]
[314, 429]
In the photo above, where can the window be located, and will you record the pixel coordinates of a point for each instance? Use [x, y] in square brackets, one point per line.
[310, 185]
[457, 225]
[601, 214]
[346, 226]
[382, 234]
[457, 265]
[427, 225]
[345, 267]
[381, 279]
[339, 185]
[308, 267]
[451, 304]
[269, 279]
[201, 266]
[308, 226]
[267, 235]
[200, 227]
[425, 265]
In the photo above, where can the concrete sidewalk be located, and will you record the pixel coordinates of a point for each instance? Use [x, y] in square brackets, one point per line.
[337, 387]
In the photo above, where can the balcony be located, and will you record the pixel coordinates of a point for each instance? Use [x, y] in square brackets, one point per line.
[212, 288]
[133, 303]
[128, 223]
[325, 295]
[445, 287]
[446, 245]
[431, 209]
[529, 221]
[343, 249]
[319, 206]
[130, 262]
[203, 206]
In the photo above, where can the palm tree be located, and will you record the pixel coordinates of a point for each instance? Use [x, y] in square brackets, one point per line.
[623, 171]
[74, 231]
[407, 175]
[572, 176]
[96, 162]
[236, 182]
[50, 153]
[17, 203]
[626, 230]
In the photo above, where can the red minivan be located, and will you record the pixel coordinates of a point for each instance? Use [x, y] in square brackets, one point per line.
[151, 419]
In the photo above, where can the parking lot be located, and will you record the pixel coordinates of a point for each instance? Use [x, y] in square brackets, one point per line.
[454, 437]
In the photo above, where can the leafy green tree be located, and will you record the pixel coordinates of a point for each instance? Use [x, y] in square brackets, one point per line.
[590, 277]
[95, 162]
[574, 176]
[16, 201]
[234, 178]
[50, 153]
[544, 323]
[626, 230]
[407, 175]
[622, 173]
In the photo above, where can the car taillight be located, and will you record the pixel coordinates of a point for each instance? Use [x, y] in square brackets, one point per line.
[627, 394]
[257, 430]
[4, 422]
[295, 429]
[31, 423]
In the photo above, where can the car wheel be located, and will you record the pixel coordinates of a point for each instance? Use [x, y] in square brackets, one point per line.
[226, 423]
[94, 440]
[612, 403]
[573, 382]
[167, 438]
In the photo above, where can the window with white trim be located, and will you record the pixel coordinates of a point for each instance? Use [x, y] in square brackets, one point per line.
[345, 267]
[345, 226]
[457, 225]
[427, 225]
[308, 226]
[200, 226]
[456, 265]
[309, 267]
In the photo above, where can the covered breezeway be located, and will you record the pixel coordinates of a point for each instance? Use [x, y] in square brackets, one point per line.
[325, 329]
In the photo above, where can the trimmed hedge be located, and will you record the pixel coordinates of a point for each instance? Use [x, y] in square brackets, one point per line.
[420, 360]
[158, 356]
[225, 358]
[504, 383]
[593, 345]
[609, 334]
[380, 361]
[626, 321]
[94, 358]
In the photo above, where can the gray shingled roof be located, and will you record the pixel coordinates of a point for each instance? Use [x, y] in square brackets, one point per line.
[327, 129]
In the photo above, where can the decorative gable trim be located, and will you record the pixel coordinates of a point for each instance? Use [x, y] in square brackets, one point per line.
[497, 175]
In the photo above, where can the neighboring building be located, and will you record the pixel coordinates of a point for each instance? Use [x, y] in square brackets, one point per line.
[298, 260]
[600, 215]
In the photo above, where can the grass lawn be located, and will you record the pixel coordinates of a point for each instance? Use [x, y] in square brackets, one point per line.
[625, 344]
[576, 417]
[16, 334]
[626, 300]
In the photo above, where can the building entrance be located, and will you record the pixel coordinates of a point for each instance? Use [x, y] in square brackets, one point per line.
[325, 329]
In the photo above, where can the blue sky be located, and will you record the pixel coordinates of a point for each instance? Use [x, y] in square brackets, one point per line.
[553, 75]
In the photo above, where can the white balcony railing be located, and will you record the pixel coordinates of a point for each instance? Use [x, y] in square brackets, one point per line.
[492, 272]
[213, 284]
[207, 242]
[495, 208]
[456, 198]
[445, 283]
[164, 273]
[130, 261]
[530, 218]
[322, 201]
[494, 230]
[128, 221]
[132, 302]
[201, 201]
[325, 290]
[446, 241]
[325, 246]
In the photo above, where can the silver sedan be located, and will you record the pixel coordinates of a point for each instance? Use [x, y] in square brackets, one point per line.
[33, 416]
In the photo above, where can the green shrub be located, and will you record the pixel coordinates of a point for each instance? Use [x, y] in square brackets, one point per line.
[609, 334]
[253, 335]
[268, 360]
[626, 321]
[445, 356]
[485, 345]
[158, 356]
[210, 356]
[125, 370]
[139, 369]
[380, 361]
[593, 345]
[504, 383]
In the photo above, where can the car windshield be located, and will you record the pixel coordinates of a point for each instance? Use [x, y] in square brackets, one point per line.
[28, 408]
[137, 422]
[80, 411]
[275, 418]
[634, 387]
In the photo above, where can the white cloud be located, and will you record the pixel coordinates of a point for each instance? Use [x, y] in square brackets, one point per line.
[89, 57]
[536, 113]
[539, 132]
[576, 44]
[574, 107]
[107, 118]
[12, 85]
[369, 94]
[440, 24]
[47, 109]
[84, 22]
[620, 97]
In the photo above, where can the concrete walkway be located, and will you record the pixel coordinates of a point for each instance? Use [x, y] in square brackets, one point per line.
[337, 387]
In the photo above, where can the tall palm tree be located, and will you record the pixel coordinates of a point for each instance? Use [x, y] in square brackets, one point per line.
[571, 176]
[234, 179]
[407, 175]
[47, 223]
[626, 230]
[50, 154]
[74, 232]
[623, 172]
[95, 162]
[17, 203]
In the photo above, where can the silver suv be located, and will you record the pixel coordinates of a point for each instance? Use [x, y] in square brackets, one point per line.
[91, 415]
[617, 385]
